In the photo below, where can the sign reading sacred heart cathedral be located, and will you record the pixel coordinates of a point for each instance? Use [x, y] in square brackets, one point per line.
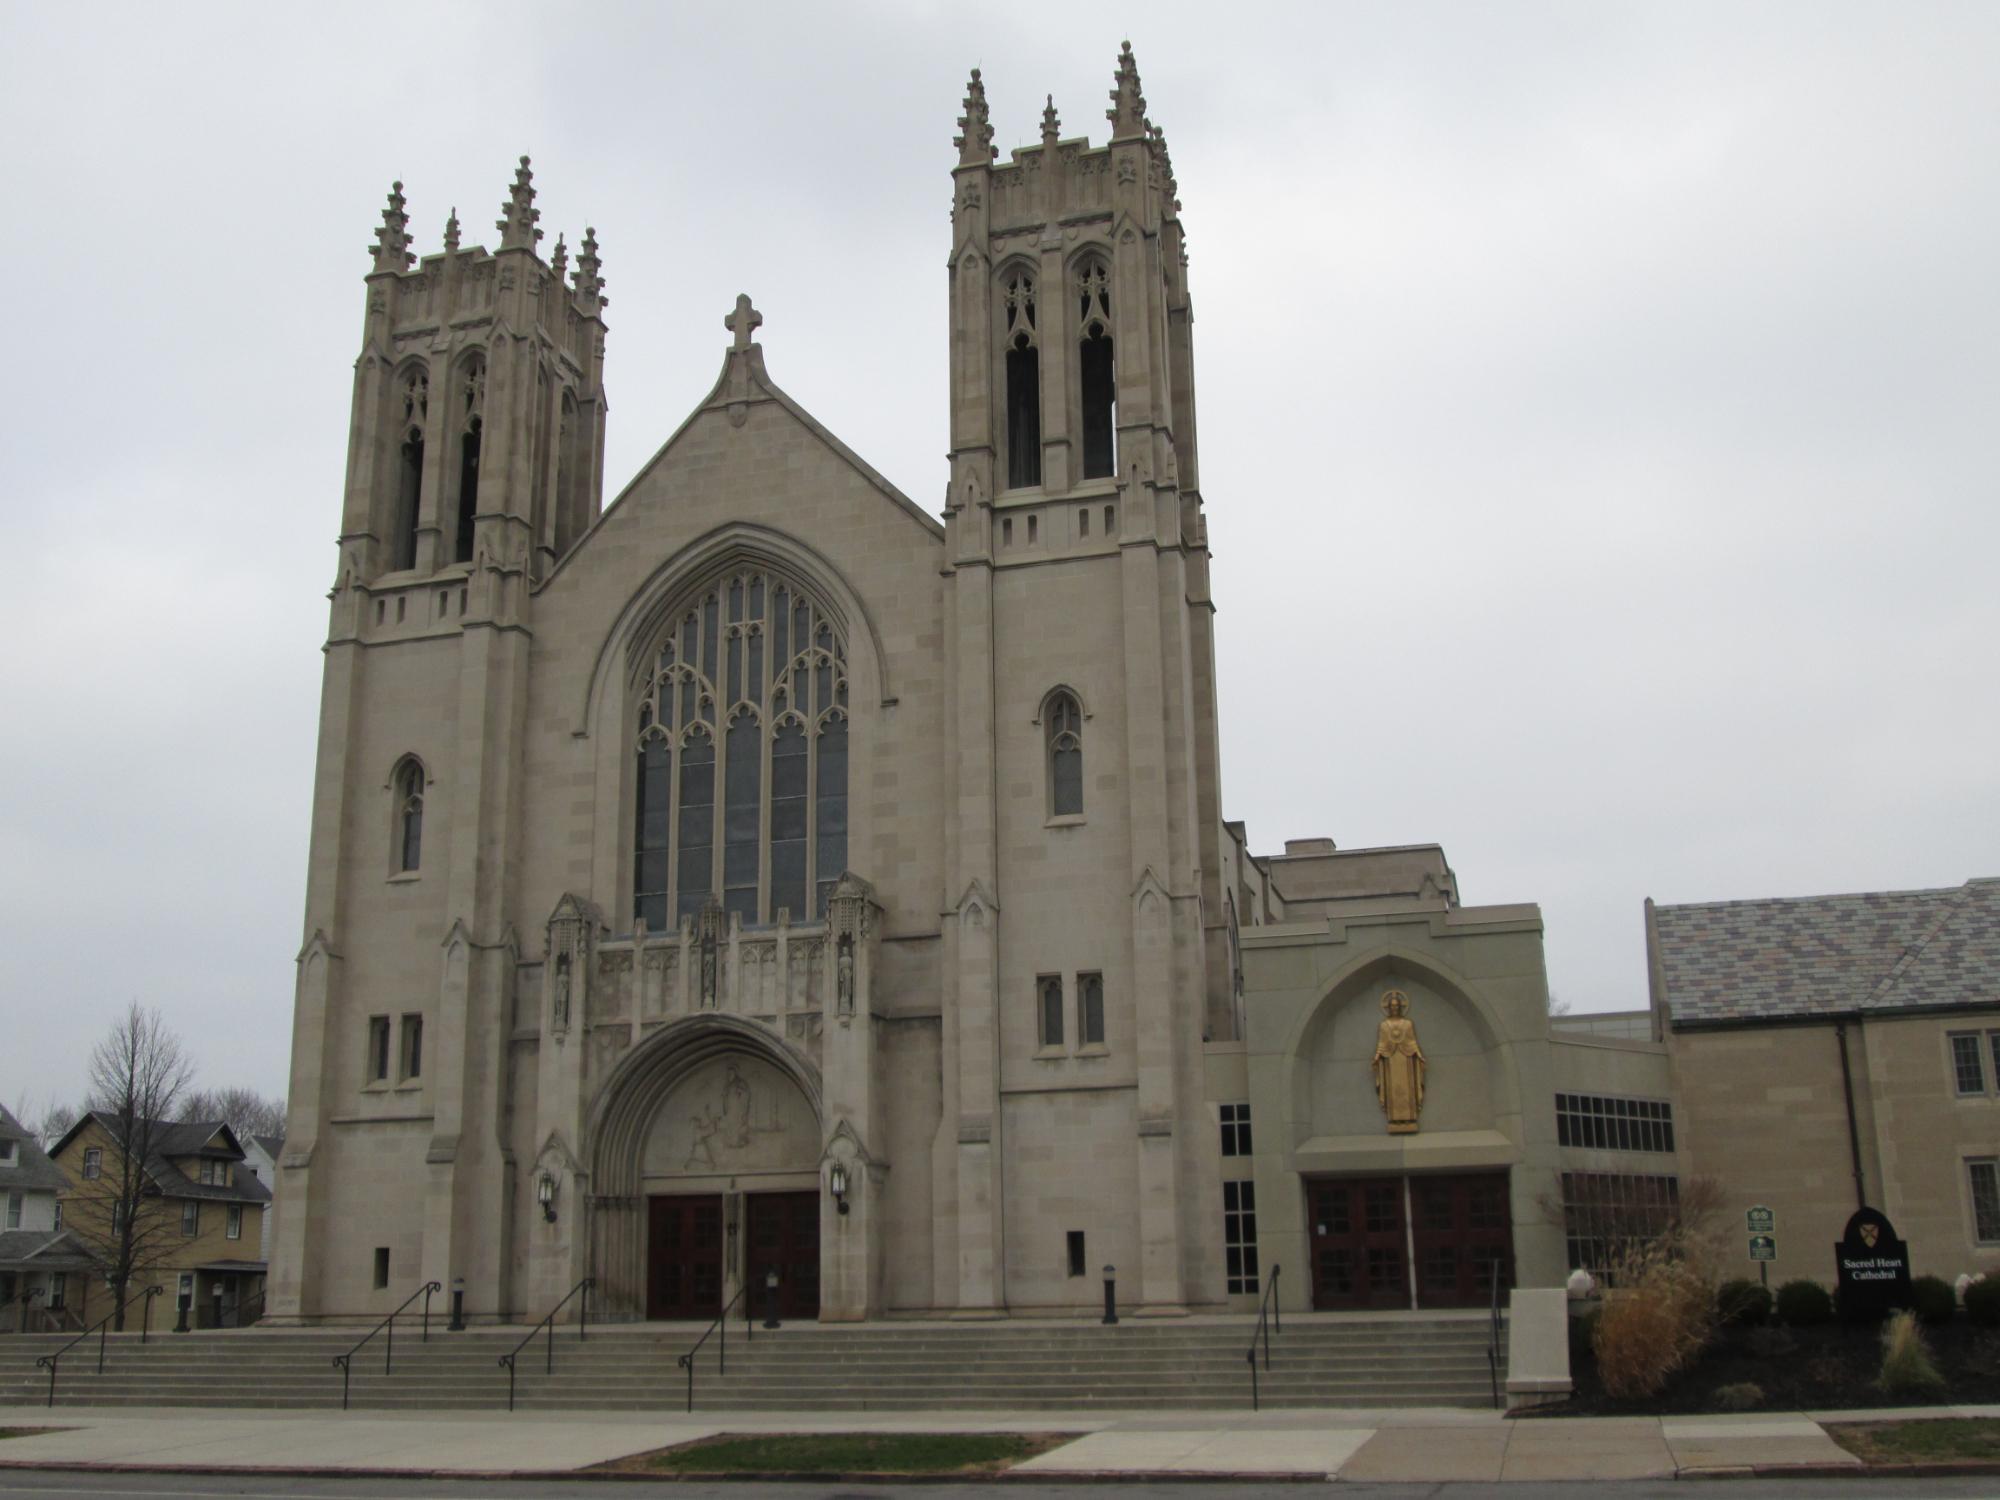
[760, 874]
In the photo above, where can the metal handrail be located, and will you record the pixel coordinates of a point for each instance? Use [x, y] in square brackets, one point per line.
[1493, 1337]
[102, 1328]
[686, 1361]
[1268, 1319]
[582, 1333]
[345, 1362]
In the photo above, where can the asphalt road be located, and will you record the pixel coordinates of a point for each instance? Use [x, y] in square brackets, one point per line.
[30, 1484]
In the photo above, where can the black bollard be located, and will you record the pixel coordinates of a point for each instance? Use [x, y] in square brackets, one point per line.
[457, 1323]
[770, 1299]
[1110, 1294]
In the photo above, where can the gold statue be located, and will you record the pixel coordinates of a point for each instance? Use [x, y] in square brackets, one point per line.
[1399, 1065]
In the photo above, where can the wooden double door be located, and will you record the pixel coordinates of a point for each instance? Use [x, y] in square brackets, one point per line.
[1433, 1240]
[686, 1254]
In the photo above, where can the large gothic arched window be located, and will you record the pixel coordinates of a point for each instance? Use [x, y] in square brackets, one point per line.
[742, 757]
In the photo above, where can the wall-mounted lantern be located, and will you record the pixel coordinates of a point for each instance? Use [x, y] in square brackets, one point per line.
[836, 1181]
[545, 1194]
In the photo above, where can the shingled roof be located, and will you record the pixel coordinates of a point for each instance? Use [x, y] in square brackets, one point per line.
[31, 1170]
[1741, 962]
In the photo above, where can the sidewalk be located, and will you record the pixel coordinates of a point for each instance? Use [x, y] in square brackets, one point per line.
[1418, 1445]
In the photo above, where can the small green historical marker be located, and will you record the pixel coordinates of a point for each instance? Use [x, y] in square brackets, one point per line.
[1762, 1220]
[1763, 1247]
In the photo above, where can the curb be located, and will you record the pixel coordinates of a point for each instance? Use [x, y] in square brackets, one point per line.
[610, 1476]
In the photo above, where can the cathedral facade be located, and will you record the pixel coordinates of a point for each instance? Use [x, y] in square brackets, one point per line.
[763, 877]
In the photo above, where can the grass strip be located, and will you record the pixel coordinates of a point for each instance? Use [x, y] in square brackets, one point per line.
[846, 1453]
[7, 1432]
[1928, 1441]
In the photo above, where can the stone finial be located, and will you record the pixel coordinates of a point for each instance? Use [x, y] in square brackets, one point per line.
[392, 241]
[518, 214]
[975, 137]
[590, 270]
[1169, 188]
[743, 322]
[559, 262]
[451, 232]
[1051, 125]
[1128, 106]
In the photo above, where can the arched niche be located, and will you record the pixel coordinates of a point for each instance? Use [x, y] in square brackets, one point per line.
[1469, 1079]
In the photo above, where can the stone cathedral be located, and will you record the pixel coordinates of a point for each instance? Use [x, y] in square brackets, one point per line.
[761, 876]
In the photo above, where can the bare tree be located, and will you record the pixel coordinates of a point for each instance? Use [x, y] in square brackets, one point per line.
[54, 1124]
[245, 1111]
[138, 1074]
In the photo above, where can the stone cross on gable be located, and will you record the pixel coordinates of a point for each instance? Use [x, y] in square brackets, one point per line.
[743, 321]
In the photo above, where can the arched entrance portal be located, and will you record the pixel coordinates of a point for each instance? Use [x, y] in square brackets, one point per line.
[706, 1146]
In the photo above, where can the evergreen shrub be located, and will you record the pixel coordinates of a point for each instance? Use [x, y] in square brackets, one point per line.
[1803, 1303]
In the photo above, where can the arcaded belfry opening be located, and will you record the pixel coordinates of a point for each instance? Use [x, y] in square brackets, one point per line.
[416, 401]
[1024, 385]
[472, 400]
[1097, 377]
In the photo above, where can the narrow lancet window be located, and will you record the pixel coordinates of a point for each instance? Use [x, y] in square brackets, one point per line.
[409, 816]
[1063, 724]
[416, 399]
[472, 396]
[1097, 376]
[1024, 385]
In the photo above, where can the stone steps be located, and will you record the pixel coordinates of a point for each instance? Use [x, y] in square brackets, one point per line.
[880, 1367]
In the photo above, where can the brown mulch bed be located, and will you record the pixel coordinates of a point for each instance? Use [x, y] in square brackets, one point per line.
[1831, 1366]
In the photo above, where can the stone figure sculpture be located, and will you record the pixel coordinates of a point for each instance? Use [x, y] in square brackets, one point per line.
[1399, 1065]
[561, 1007]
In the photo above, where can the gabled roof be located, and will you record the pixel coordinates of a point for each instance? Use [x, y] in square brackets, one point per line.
[57, 1249]
[1740, 962]
[32, 1170]
[177, 1141]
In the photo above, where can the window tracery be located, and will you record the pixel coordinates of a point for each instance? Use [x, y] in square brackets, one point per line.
[742, 756]
[1062, 726]
[1022, 342]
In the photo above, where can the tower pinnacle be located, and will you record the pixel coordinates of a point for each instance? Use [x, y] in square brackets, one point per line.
[451, 232]
[518, 214]
[392, 241]
[559, 262]
[1051, 125]
[1128, 106]
[590, 270]
[975, 140]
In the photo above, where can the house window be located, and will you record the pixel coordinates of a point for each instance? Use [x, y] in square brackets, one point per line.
[1606, 1124]
[58, 1223]
[1090, 1009]
[1608, 1215]
[207, 1172]
[742, 757]
[1076, 1255]
[1235, 1130]
[190, 1217]
[378, 1049]
[1985, 1179]
[409, 817]
[412, 1054]
[1062, 727]
[235, 1229]
[7, 1154]
[14, 1201]
[1239, 1235]
[1049, 1008]
[93, 1164]
[1970, 1055]
[58, 1290]
[381, 1267]
[118, 1218]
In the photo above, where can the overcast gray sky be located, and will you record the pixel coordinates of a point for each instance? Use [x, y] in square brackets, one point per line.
[1598, 410]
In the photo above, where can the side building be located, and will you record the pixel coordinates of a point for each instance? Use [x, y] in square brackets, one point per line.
[180, 1200]
[44, 1269]
[1835, 1051]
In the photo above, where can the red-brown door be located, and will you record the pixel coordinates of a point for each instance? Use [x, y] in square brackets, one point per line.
[1360, 1254]
[1464, 1237]
[784, 1236]
[684, 1256]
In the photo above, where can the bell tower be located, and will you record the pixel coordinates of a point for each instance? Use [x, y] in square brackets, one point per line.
[1086, 952]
